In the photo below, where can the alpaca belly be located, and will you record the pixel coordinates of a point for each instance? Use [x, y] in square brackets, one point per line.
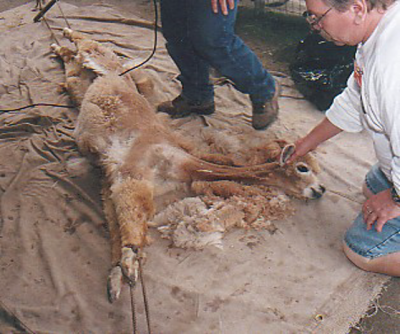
[171, 182]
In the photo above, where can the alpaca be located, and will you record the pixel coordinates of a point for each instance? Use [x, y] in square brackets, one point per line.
[143, 160]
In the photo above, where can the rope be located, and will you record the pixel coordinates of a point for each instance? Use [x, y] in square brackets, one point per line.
[146, 304]
[16, 319]
[132, 286]
[155, 41]
[51, 31]
[344, 196]
[62, 13]
[132, 292]
[38, 105]
[36, 19]
[43, 12]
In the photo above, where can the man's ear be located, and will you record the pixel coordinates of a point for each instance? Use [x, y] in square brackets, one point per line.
[360, 10]
[286, 153]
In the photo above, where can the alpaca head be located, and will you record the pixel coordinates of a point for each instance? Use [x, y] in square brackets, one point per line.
[298, 178]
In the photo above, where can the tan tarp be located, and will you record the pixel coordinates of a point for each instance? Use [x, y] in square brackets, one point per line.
[54, 257]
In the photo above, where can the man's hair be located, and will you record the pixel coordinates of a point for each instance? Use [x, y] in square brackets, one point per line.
[343, 5]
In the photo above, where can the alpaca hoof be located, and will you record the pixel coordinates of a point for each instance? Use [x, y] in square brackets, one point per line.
[114, 283]
[130, 264]
[67, 33]
[55, 48]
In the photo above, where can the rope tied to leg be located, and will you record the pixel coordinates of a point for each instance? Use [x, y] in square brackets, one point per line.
[132, 286]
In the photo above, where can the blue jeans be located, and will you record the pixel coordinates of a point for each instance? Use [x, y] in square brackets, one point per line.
[198, 39]
[371, 244]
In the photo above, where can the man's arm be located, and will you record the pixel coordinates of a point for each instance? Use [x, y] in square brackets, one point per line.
[322, 132]
[380, 208]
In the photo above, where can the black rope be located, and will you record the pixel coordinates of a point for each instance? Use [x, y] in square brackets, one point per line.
[155, 41]
[38, 105]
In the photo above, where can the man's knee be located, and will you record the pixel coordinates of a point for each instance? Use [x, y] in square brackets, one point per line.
[209, 44]
[386, 264]
[360, 261]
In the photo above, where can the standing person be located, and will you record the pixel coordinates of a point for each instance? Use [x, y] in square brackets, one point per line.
[371, 101]
[200, 35]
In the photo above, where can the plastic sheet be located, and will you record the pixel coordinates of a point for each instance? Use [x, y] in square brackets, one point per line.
[321, 69]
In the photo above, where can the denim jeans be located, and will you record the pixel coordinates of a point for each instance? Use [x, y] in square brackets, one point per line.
[371, 244]
[198, 39]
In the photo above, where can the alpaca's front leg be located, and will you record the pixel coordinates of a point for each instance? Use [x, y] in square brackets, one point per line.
[133, 202]
[66, 54]
[72, 35]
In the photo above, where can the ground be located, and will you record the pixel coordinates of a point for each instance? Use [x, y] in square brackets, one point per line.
[274, 37]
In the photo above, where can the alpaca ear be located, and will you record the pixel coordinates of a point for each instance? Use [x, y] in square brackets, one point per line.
[286, 153]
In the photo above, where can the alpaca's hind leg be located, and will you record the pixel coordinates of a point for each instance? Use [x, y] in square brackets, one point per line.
[219, 159]
[224, 189]
[217, 188]
[143, 82]
[133, 202]
[115, 278]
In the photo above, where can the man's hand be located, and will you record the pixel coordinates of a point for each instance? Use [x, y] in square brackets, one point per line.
[322, 132]
[379, 209]
[224, 5]
[302, 147]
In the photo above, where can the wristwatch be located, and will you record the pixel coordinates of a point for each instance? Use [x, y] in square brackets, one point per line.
[395, 196]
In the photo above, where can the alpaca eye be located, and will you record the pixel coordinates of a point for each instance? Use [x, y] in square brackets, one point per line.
[302, 168]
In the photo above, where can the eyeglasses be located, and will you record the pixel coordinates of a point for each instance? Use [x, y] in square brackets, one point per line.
[314, 20]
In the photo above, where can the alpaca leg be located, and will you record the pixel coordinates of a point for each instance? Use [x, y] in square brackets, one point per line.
[224, 189]
[78, 79]
[133, 202]
[219, 159]
[115, 278]
[217, 188]
[143, 82]
[66, 54]
[72, 35]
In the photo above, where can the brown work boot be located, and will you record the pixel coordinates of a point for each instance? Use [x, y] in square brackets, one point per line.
[264, 114]
[181, 107]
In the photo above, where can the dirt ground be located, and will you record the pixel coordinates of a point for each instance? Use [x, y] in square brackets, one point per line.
[273, 37]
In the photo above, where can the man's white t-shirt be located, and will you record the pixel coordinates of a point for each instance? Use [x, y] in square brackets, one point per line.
[372, 98]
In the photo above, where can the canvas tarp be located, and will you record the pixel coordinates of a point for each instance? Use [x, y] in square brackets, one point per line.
[54, 246]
